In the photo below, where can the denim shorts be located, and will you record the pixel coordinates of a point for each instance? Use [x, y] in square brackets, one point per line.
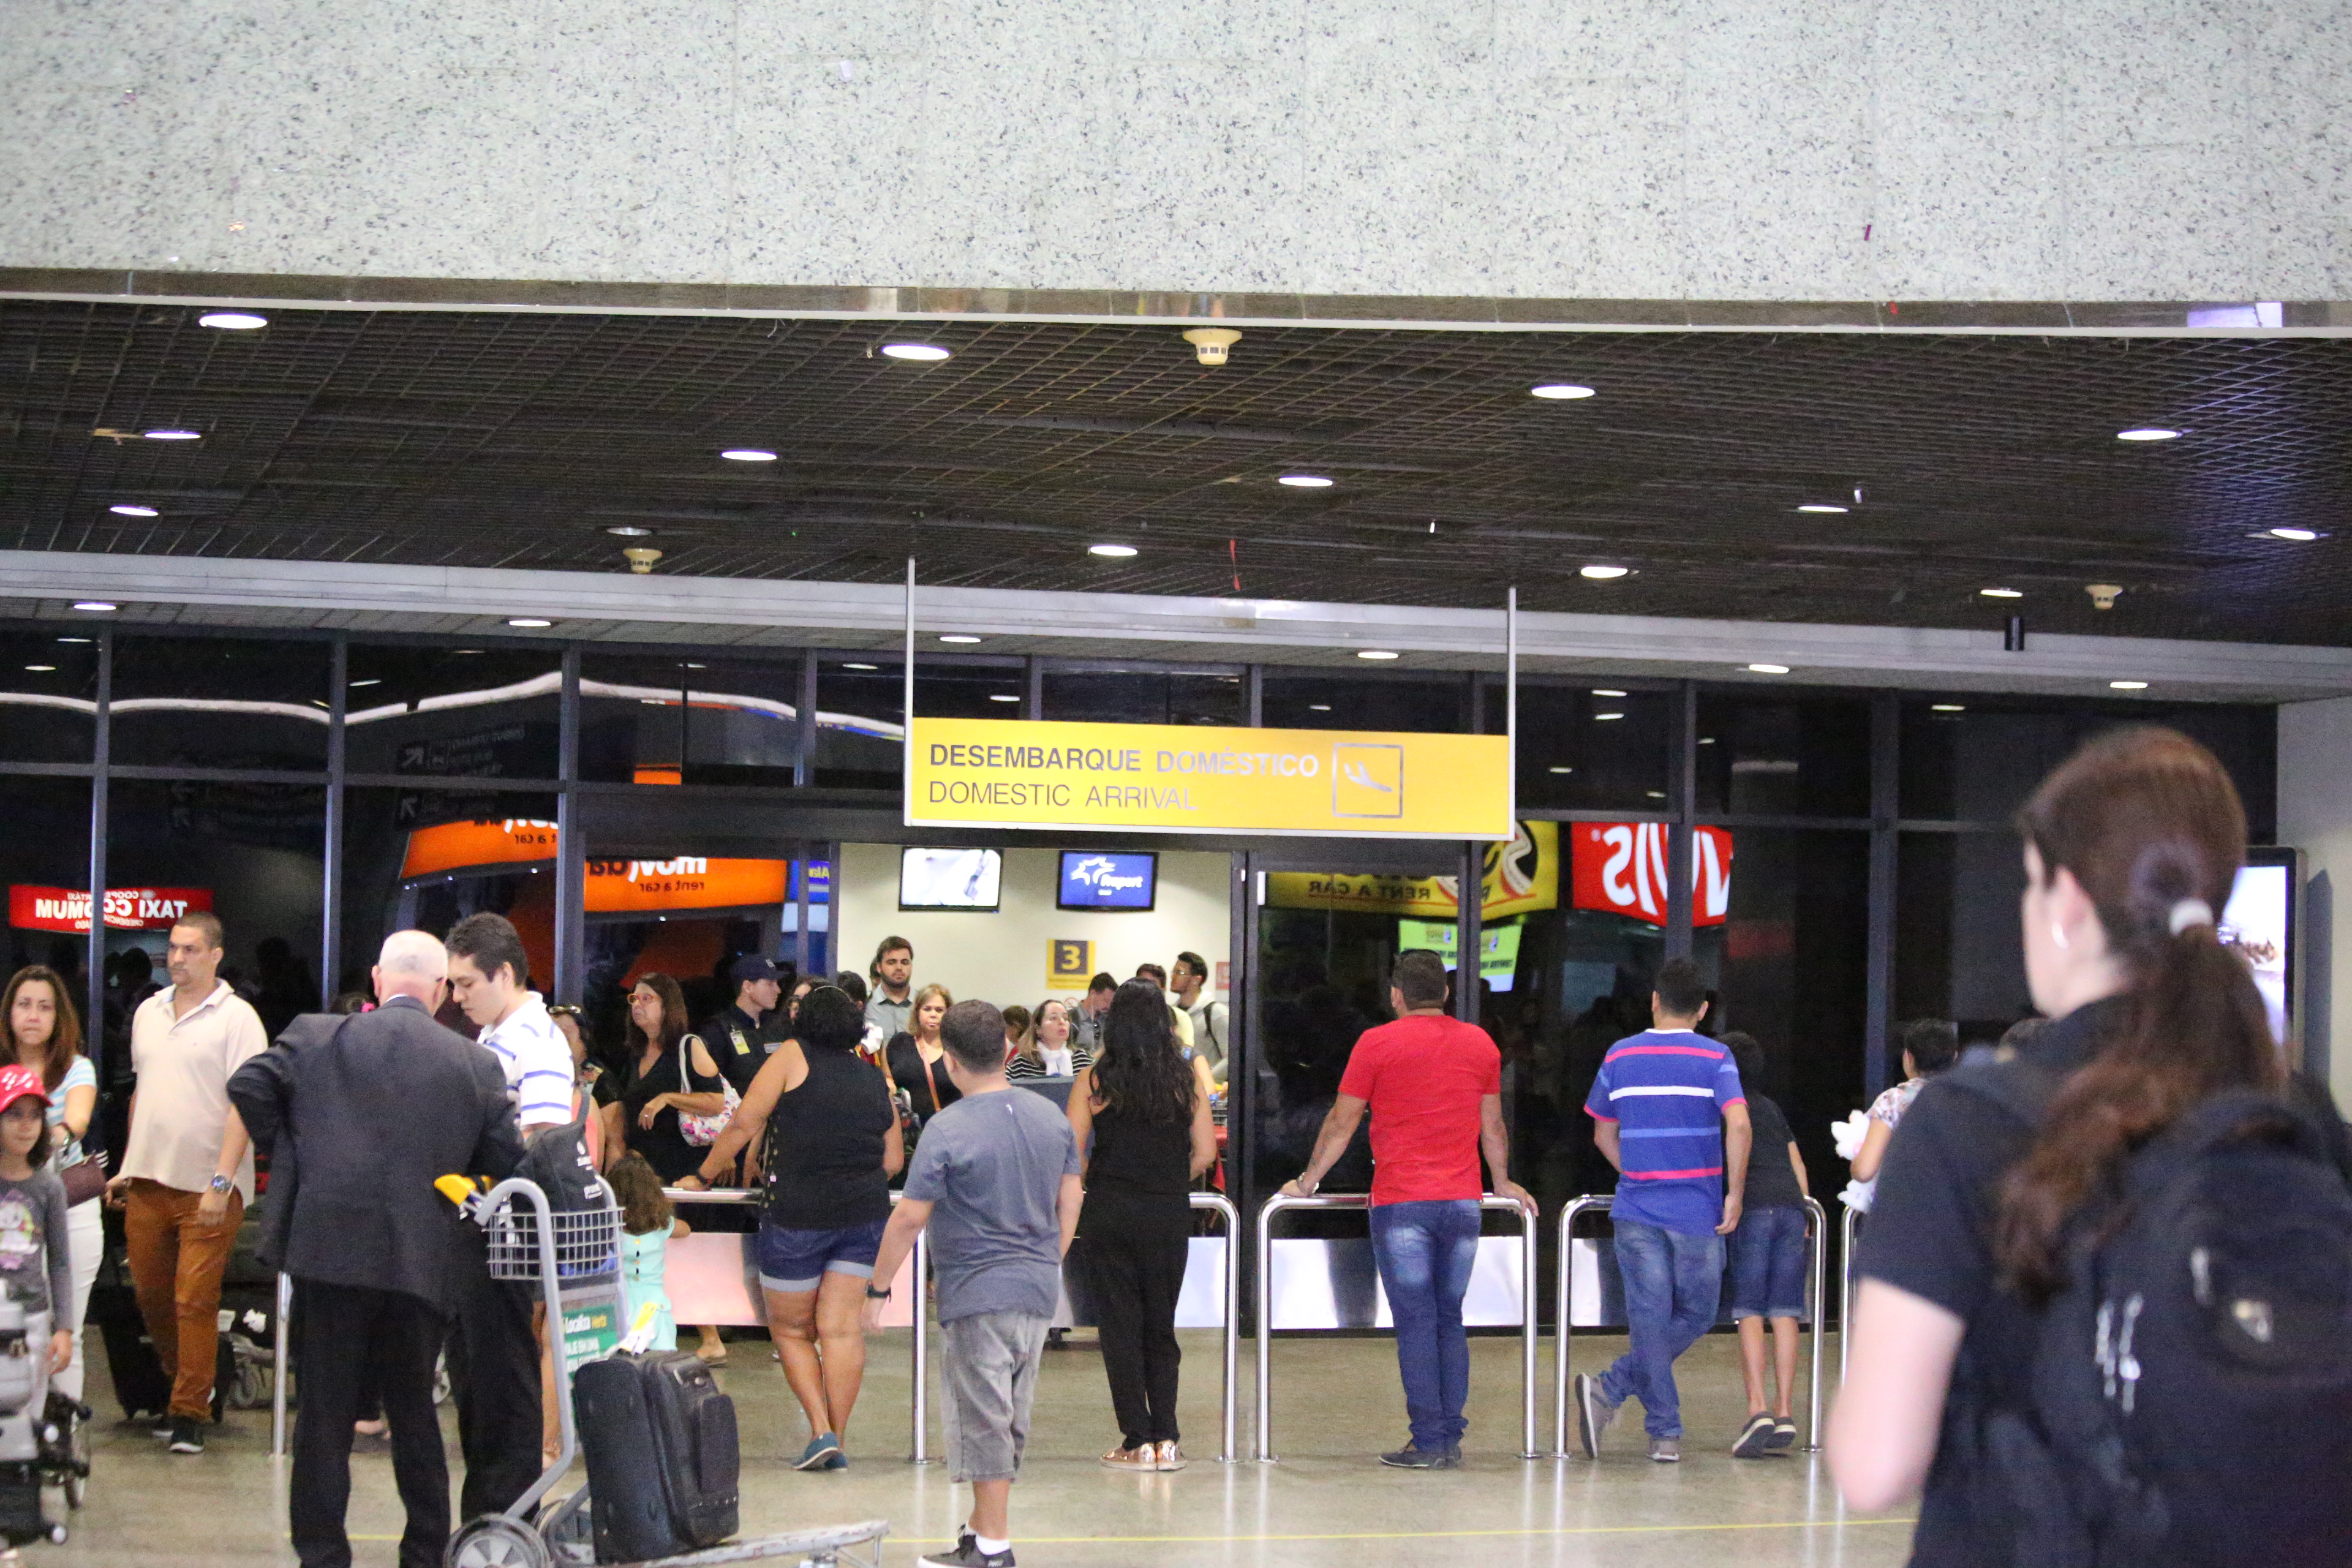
[791, 1261]
[1768, 1264]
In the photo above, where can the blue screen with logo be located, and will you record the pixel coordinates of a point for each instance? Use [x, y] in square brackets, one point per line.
[1092, 879]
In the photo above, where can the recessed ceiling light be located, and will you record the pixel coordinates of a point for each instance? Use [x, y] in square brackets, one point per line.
[174, 435]
[1115, 552]
[464, 650]
[1559, 391]
[42, 668]
[1003, 696]
[1305, 482]
[2148, 433]
[629, 530]
[127, 510]
[2299, 535]
[1563, 770]
[1603, 718]
[1319, 707]
[1657, 794]
[73, 639]
[1706, 740]
[1602, 574]
[928, 352]
[232, 321]
[698, 667]
[528, 623]
[1605, 692]
[94, 605]
[957, 637]
[748, 454]
[1819, 506]
[371, 681]
[2127, 686]
[1948, 708]
[2000, 593]
[1768, 670]
[860, 667]
[1374, 653]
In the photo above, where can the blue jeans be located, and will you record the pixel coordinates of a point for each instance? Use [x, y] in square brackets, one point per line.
[1425, 1252]
[1673, 1283]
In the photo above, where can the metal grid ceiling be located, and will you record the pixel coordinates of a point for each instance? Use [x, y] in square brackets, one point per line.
[516, 440]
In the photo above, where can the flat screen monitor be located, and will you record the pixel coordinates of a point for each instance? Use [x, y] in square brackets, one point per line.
[951, 880]
[1093, 879]
[2259, 926]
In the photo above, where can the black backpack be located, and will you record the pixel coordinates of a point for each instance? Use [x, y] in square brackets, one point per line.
[2191, 1384]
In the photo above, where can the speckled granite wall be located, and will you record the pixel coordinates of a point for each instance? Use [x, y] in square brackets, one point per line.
[1788, 150]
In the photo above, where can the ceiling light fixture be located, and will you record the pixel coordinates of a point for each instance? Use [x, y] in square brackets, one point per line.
[1319, 707]
[1604, 717]
[2297, 535]
[232, 321]
[1768, 670]
[1003, 696]
[1559, 391]
[1948, 708]
[748, 454]
[1604, 691]
[371, 681]
[629, 530]
[1563, 770]
[860, 667]
[528, 623]
[927, 353]
[42, 668]
[957, 637]
[174, 435]
[1111, 552]
[2000, 593]
[2127, 686]
[73, 639]
[96, 607]
[1604, 573]
[126, 511]
[1820, 506]
[1374, 653]
[2148, 433]
[1305, 482]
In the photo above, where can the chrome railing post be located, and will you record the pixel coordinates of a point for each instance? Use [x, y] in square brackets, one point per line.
[1819, 1262]
[1264, 1434]
[1849, 1227]
[1231, 1386]
[1530, 1331]
[1563, 1314]
[279, 1366]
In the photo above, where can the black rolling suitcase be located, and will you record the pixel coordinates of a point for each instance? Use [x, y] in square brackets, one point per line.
[663, 1466]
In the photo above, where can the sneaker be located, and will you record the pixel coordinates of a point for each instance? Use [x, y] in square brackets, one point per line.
[967, 1554]
[1411, 1458]
[836, 1460]
[1784, 1434]
[819, 1453]
[1169, 1456]
[162, 1429]
[1145, 1457]
[1593, 1413]
[1754, 1439]
[1666, 1451]
[187, 1437]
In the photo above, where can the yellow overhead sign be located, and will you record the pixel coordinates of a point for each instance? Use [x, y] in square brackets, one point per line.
[1521, 874]
[1190, 778]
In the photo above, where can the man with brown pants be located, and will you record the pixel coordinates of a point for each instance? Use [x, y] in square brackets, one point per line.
[187, 1173]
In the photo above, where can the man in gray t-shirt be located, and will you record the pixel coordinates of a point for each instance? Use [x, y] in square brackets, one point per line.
[995, 1181]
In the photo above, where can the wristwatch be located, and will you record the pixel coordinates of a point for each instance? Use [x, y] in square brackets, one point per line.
[874, 1295]
[221, 1184]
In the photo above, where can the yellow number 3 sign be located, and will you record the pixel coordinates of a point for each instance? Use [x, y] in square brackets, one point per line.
[1068, 965]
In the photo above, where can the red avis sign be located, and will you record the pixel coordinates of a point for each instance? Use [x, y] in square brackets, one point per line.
[126, 909]
[1619, 869]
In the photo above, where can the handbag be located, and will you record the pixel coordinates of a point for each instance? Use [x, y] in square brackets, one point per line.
[702, 1132]
[84, 1179]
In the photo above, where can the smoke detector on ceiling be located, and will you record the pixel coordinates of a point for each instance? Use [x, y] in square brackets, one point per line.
[1210, 344]
[641, 558]
[2102, 594]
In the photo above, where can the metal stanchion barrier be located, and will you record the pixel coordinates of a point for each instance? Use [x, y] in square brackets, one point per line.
[1564, 1324]
[1530, 1330]
[1849, 1233]
[280, 1363]
[1229, 1452]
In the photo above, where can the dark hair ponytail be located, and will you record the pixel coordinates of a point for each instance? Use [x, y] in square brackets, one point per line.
[2152, 829]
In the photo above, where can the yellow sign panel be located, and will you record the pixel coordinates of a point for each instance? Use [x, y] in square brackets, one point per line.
[1069, 964]
[1190, 778]
[1521, 875]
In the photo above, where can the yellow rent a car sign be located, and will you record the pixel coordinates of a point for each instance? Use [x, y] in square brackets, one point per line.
[1192, 778]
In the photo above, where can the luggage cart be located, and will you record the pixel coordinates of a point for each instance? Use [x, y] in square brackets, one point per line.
[574, 1260]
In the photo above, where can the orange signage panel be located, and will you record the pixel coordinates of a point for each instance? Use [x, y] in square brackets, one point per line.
[453, 846]
[687, 882]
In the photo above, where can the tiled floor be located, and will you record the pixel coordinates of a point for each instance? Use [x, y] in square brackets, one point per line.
[1326, 1505]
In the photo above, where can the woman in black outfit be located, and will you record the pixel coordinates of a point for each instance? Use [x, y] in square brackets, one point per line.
[2132, 847]
[668, 1070]
[919, 1060]
[1152, 1136]
[831, 1138]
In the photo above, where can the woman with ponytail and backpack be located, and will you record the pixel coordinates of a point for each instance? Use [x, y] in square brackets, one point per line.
[2104, 1315]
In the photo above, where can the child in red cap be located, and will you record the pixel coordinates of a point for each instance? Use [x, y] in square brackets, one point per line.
[34, 1267]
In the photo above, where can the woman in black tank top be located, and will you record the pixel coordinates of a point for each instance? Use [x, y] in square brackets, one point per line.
[828, 1135]
[1150, 1136]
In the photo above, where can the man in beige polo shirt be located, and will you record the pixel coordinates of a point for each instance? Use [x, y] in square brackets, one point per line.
[187, 1173]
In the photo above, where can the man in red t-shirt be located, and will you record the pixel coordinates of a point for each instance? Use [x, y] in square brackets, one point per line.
[1434, 1087]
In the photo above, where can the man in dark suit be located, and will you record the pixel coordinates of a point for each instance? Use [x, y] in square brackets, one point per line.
[359, 1115]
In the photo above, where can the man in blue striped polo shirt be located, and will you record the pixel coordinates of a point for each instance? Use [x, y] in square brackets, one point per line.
[1668, 1111]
